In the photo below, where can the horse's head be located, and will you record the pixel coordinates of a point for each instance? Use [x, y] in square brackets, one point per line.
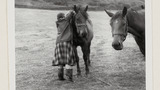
[80, 20]
[119, 27]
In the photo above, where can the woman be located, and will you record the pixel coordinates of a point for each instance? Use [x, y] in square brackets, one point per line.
[64, 52]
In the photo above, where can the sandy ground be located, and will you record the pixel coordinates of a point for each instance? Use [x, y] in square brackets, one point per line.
[110, 69]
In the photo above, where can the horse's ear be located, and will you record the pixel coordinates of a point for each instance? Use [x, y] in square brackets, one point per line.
[124, 12]
[75, 8]
[142, 6]
[86, 8]
[109, 13]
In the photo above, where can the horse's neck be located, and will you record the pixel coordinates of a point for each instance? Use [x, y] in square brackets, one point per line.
[133, 27]
[90, 29]
[134, 32]
[89, 21]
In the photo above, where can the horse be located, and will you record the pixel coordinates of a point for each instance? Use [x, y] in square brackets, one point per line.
[82, 35]
[130, 20]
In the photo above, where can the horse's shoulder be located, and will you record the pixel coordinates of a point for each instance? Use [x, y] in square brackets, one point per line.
[90, 29]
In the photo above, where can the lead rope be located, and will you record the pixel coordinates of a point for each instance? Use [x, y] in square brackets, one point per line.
[70, 23]
[97, 79]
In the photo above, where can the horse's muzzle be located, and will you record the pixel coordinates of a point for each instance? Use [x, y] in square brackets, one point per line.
[83, 33]
[117, 45]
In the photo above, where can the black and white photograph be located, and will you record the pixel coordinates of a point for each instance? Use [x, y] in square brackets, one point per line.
[81, 45]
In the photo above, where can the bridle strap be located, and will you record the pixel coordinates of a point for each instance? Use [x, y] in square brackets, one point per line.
[82, 24]
[126, 30]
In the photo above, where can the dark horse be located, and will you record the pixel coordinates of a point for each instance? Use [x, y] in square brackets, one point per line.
[82, 35]
[132, 21]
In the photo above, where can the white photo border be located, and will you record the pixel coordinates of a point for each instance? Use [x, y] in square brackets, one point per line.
[11, 44]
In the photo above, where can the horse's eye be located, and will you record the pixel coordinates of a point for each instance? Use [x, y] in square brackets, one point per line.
[124, 38]
[124, 24]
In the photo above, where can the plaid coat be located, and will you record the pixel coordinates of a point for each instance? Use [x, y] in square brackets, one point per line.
[64, 54]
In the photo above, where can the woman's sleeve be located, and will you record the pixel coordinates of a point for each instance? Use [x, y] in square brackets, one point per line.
[69, 15]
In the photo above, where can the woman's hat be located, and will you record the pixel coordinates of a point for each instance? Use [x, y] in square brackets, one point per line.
[60, 15]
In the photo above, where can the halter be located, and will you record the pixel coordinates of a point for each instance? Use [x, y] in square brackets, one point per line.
[82, 24]
[126, 29]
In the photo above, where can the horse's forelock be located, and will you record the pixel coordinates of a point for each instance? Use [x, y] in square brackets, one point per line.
[85, 14]
[81, 9]
[116, 16]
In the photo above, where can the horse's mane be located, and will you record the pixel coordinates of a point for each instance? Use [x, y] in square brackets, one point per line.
[73, 25]
[75, 34]
[85, 14]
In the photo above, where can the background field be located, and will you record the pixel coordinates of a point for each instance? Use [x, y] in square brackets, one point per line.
[67, 4]
[110, 69]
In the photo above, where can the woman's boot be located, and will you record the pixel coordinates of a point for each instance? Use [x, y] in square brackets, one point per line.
[61, 73]
[69, 74]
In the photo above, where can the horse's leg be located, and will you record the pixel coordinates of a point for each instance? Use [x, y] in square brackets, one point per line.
[77, 61]
[89, 61]
[85, 57]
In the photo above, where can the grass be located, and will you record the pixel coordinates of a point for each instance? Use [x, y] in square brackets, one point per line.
[35, 38]
[62, 5]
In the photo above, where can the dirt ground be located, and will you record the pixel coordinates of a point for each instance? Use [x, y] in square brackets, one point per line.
[110, 69]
